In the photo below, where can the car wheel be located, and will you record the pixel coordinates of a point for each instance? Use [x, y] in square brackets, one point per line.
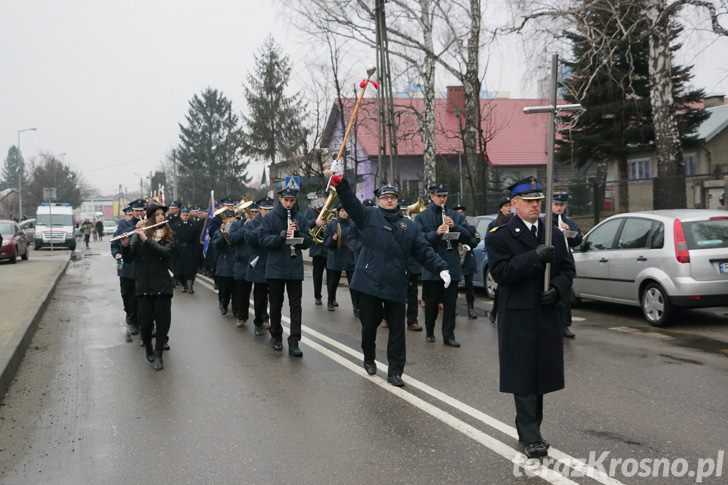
[24, 257]
[37, 244]
[490, 285]
[72, 246]
[656, 305]
[14, 257]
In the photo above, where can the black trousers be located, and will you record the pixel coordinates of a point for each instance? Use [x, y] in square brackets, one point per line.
[413, 308]
[260, 303]
[332, 283]
[566, 311]
[529, 415]
[241, 299]
[224, 289]
[469, 294]
[275, 294]
[128, 296]
[319, 265]
[372, 311]
[434, 292]
[155, 311]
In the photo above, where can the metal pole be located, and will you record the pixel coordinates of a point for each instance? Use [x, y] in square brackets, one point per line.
[550, 165]
[460, 170]
[50, 214]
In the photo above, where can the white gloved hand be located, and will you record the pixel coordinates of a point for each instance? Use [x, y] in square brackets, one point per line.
[337, 168]
[445, 277]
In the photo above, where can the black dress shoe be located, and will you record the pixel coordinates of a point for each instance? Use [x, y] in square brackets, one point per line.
[471, 313]
[295, 351]
[371, 367]
[277, 345]
[430, 339]
[184, 289]
[149, 351]
[536, 450]
[223, 310]
[357, 315]
[133, 329]
[330, 307]
[568, 333]
[259, 331]
[336, 304]
[492, 317]
[158, 364]
[395, 380]
[319, 302]
[451, 342]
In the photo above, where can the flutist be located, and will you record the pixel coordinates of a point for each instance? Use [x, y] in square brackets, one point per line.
[278, 234]
[445, 229]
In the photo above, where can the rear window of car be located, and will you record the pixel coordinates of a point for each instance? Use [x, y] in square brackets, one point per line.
[6, 228]
[708, 234]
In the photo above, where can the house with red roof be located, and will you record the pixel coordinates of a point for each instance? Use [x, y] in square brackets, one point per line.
[515, 142]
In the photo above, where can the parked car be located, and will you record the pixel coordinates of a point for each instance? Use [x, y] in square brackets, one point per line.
[28, 227]
[110, 227]
[657, 260]
[14, 243]
[482, 277]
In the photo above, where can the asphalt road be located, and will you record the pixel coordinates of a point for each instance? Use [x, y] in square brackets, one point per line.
[86, 407]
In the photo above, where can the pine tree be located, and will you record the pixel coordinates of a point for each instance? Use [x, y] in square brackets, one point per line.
[615, 93]
[209, 155]
[10, 168]
[273, 126]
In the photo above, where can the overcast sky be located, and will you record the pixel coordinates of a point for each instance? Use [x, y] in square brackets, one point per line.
[107, 82]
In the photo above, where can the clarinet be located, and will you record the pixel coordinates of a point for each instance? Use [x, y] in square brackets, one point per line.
[289, 234]
[447, 241]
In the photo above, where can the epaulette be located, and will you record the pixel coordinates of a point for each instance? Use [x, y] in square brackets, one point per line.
[495, 228]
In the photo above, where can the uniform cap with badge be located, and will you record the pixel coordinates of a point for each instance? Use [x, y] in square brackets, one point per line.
[528, 189]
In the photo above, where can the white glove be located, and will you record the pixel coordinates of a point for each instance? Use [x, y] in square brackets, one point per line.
[445, 277]
[337, 168]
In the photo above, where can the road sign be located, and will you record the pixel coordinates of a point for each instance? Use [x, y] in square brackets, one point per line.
[293, 182]
[49, 193]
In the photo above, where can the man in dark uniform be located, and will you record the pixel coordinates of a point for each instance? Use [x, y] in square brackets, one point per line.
[571, 231]
[467, 265]
[173, 216]
[414, 271]
[434, 222]
[284, 266]
[340, 257]
[388, 239]
[212, 227]
[241, 285]
[186, 235]
[255, 270]
[317, 252]
[126, 270]
[225, 265]
[530, 336]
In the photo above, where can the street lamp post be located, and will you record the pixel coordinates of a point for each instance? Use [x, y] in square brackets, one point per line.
[20, 176]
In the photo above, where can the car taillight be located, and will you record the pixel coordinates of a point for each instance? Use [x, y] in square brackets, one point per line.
[681, 245]
[718, 218]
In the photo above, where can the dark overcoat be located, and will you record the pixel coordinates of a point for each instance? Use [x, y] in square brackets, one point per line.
[468, 264]
[387, 240]
[152, 274]
[241, 248]
[225, 254]
[530, 335]
[428, 221]
[186, 236]
[341, 258]
[316, 249]
[271, 236]
[127, 269]
[255, 271]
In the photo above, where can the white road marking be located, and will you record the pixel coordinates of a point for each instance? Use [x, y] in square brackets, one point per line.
[578, 319]
[485, 439]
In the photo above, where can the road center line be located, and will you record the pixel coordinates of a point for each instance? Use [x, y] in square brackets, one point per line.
[479, 436]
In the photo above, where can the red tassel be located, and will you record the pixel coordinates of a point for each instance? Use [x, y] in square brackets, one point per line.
[335, 179]
[363, 84]
[375, 84]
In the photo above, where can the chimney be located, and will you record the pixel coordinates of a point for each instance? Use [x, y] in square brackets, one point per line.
[455, 99]
[710, 101]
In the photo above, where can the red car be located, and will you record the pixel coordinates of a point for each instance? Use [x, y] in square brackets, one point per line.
[13, 243]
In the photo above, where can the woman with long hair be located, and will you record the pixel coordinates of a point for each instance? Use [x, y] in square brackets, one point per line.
[152, 250]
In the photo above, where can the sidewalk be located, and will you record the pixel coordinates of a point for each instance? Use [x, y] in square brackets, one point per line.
[25, 288]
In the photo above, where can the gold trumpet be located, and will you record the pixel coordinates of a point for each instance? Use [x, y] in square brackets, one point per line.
[416, 207]
[327, 214]
[245, 206]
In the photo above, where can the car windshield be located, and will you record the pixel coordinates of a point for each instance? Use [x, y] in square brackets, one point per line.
[6, 228]
[708, 234]
[58, 220]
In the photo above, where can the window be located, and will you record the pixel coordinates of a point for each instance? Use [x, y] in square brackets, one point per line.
[640, 169]
[603, 236]
[691, 164]
[658, 236]
[635, 234]
[710, 234]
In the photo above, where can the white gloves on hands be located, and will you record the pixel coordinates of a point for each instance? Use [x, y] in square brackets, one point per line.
[445, 277]
[337, 168]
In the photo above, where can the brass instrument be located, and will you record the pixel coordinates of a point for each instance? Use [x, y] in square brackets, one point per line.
[290, 239]
[338, 236]
[416, 207]
[317, 233]
[227, 223]
[245, 206]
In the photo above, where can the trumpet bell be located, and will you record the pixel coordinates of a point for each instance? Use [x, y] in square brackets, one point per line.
[417, 207]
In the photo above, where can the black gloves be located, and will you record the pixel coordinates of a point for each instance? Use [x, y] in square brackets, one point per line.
[549, 297]
[546, 253]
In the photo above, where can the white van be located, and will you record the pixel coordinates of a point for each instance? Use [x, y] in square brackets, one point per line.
[62, 232]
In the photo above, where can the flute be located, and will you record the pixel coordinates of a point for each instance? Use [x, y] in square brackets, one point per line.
[127, 234]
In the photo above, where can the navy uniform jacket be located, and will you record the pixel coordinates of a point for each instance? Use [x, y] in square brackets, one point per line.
[255, 271]
[271, 236]
[316, 249]
[387, 239]
[573, 241]
[187, 242]
[341, 259]
[428, 221]
[241, 249]
[468, 265]
[530, 335]
[127, 269]
[225, 254]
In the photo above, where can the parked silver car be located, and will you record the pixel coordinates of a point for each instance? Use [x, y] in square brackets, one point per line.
[658, 260]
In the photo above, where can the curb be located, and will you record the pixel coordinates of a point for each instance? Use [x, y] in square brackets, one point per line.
[12, 355]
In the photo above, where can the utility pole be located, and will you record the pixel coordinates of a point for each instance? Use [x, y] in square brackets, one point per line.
[385, 99]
